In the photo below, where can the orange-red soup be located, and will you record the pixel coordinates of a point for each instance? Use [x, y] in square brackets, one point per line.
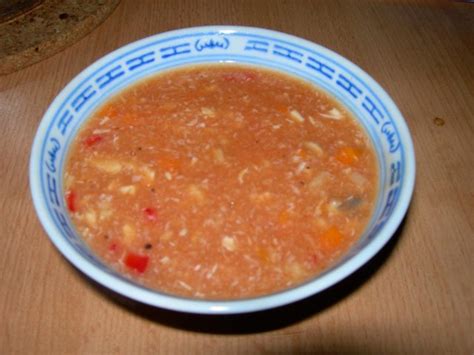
[221, 181]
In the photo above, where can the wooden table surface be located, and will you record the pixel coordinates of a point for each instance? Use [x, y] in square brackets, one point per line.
[416, 295]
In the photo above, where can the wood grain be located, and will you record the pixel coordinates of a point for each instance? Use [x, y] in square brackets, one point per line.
[415, 296]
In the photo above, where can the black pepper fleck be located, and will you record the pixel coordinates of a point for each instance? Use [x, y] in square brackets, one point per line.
[148, 246]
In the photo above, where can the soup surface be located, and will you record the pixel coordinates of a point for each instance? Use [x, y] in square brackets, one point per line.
[221, 181]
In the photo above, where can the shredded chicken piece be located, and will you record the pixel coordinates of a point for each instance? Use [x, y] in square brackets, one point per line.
[104, 120]
[108, 166]
[128, 190]
[241, 175]
[218, 155]
[206, 111]
[196, 193]
[129, 234]
[333, 114]
[314, 147]
[184, 285]
[148, 173]
[228, 243]
[318, 181]
[296, 116]
[91, 218]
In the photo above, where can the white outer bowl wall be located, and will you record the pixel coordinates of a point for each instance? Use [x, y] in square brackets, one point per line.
[129, 289]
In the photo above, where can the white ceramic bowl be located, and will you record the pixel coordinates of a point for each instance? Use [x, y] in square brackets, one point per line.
[328, 70]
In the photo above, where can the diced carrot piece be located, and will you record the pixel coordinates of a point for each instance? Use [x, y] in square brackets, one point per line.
[348, 155]
[263, 255]
[93, 139]
[169, 163]
[136, 262]
[108, 111]
[282, 108]
[331, 239]
[71, 201]
[283, 217]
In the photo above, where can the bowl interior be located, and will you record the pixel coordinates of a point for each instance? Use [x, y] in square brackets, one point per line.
[342, 79]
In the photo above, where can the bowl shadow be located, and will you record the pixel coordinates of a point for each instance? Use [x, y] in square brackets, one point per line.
[260, 321]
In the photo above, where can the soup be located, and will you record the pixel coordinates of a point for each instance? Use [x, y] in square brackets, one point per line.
[221, 181]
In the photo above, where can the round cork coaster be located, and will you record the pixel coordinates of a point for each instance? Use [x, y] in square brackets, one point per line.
[32, 30]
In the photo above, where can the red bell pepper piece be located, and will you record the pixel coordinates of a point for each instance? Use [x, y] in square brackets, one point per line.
[314, 259]
[150, 213]
[92, 140]
[71, 201]
[136, 262]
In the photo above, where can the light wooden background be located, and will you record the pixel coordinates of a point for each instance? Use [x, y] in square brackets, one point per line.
[415, 296]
